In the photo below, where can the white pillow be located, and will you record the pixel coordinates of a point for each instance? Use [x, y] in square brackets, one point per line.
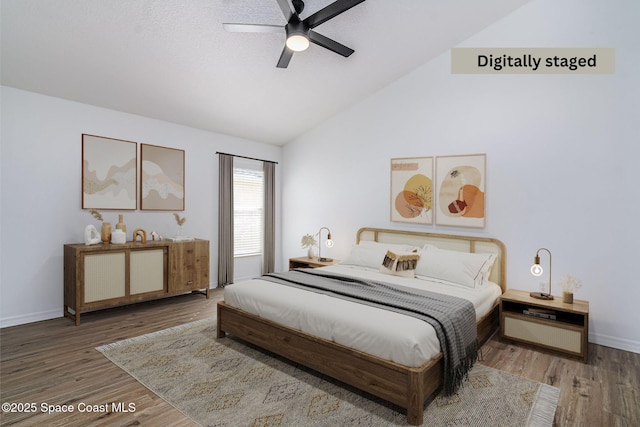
[370, 254]
[467, 269]
[399, 263]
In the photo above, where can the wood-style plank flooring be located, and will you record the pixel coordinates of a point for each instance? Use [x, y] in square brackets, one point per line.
[55, 362]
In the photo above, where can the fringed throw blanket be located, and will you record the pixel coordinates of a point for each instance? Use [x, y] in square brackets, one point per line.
[454, 319]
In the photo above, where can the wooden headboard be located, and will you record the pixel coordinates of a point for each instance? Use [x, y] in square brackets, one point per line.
[452, 242]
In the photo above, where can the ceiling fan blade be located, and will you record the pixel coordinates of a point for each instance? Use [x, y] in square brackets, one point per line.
[331, 11]
[285, 57]
[330, 44]
[286, 8]
[253, 28]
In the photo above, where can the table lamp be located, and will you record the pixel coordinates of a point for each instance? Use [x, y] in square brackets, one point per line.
[537, 270]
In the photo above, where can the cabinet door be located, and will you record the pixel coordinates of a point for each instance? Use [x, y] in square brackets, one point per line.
[189, 266]
[147, 271]
[104, 276]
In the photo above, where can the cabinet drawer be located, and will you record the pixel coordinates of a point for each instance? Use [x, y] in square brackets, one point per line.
[560, 337]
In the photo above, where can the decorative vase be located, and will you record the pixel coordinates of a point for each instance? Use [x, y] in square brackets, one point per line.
[567, 297]
[105, 232]
[310, 253]
[118, 237]
[121, 225]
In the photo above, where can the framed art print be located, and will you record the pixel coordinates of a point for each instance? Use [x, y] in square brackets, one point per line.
[162, 178]
[109, 173]
[460, 190]
[411, 190]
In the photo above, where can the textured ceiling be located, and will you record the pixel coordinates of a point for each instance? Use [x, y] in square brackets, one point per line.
[172, 60]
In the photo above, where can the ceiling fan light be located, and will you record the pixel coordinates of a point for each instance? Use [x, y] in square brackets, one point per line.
[297, 42]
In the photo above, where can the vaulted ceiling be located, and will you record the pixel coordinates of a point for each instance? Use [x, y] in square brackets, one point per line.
[172, 60]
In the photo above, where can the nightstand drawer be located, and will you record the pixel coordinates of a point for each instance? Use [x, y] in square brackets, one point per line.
[528, 330]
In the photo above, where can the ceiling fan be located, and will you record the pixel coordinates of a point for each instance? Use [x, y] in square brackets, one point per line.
[300, 32]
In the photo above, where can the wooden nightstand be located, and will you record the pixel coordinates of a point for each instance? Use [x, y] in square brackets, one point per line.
[550, 324]
[306, 262]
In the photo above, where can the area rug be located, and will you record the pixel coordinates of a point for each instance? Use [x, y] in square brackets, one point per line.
[226, 382]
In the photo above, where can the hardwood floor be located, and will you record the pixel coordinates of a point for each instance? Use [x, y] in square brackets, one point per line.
[55, 362]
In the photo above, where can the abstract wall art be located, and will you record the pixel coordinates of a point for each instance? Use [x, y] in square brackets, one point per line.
[460, 190]
[162, 178]
[109, 173]
[412, 190]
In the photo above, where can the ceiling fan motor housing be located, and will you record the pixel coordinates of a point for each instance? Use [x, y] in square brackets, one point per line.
[297, 35]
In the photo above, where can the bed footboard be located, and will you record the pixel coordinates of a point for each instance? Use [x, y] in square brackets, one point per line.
[404, 386]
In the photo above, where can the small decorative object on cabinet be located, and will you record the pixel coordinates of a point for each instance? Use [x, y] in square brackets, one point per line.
[121, 225]
[103, 276]
[105, 232]
[309, 241]
[139, 232]
[118, 237]
[569, 285]
[306, 262]
[551, 324]
[91, 235]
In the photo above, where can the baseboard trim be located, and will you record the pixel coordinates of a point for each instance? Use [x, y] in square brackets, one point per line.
[615, 342]
[6, 322]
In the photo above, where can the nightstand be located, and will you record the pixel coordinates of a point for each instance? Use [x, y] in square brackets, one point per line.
[550, 324]
[306, 262]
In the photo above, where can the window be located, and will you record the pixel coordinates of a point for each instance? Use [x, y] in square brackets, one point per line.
[248, 207]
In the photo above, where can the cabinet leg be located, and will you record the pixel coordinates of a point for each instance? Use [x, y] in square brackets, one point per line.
[75, 316]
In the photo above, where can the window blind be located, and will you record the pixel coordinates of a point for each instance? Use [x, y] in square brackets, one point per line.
[248, 210]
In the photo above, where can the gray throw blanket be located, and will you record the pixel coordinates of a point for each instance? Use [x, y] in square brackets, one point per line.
[454, 319]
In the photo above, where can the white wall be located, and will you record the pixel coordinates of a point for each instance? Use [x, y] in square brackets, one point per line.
[562, 154]
[41, 192]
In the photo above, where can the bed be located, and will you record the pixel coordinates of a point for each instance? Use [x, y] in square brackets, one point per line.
[383, 353]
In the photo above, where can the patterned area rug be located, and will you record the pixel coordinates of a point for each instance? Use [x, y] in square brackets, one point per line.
[230, 383]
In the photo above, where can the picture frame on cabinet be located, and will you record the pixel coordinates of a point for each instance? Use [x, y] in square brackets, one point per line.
[109, 173]
[161, 178]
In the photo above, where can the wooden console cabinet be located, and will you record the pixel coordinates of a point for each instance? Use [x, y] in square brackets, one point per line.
[107, 275]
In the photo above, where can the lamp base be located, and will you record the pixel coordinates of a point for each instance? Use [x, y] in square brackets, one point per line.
[323, 259]
[540, 295]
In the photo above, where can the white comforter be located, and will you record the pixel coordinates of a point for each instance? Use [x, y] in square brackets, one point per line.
[386, 334]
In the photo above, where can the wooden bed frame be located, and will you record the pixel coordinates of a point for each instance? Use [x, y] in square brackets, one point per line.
[407, 387]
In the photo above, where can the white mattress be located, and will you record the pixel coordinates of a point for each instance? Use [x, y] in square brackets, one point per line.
[385, 334]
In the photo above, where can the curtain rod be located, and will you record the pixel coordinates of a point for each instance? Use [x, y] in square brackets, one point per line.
[245, 157]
